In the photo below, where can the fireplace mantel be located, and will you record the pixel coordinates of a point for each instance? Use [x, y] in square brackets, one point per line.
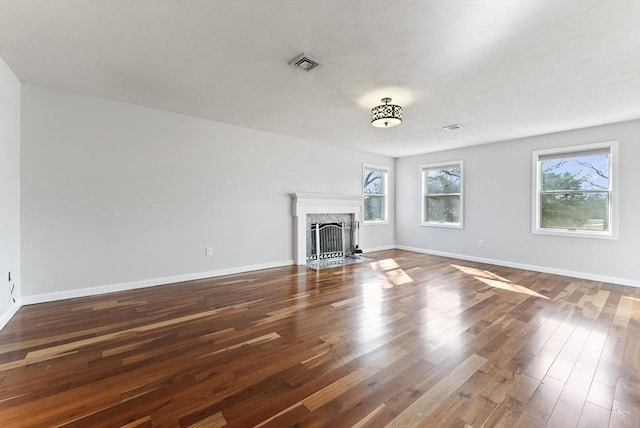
[319, 203]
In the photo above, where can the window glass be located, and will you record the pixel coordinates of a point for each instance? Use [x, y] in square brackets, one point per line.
[442, 195]
[374, 194]
[574, 190]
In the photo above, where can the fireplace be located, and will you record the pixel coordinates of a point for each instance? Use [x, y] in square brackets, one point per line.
[321, 208]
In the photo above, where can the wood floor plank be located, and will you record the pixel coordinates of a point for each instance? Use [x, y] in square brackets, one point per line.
[593, 416]
[215, 421]
[505, 414]
[422, 407]
[545, 398]
[601, 395]
[406, 340]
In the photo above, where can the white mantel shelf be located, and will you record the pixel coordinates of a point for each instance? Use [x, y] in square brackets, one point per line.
[319, 203]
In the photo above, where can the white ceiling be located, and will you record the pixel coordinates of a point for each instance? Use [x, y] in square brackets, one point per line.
[503, 69]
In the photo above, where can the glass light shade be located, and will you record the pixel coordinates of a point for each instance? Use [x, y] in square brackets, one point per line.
[386, 115]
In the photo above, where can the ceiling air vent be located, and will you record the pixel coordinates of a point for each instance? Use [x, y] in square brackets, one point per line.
[304, 62]
[453, 127]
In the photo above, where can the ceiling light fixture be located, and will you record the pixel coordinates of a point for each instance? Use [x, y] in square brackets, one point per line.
[386, 115]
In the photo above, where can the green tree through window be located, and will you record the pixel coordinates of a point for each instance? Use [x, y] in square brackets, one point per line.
[575, 191]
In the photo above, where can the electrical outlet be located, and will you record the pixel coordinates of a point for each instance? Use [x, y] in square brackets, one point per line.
[481, 242]
[209, 251]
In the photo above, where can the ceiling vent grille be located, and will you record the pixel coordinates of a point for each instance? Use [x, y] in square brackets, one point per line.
[304, 62]
[452, 127]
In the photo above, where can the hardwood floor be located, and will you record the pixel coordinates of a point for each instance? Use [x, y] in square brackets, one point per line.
[408, 340]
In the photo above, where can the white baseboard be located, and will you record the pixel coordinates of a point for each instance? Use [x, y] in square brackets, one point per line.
[544, 269]
[6, 317]
[92, 291]
[373, 249]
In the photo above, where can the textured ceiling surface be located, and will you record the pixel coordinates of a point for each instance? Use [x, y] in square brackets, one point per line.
[503, 69]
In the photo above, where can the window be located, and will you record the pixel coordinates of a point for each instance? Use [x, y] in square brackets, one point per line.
[573, 190]
[374, 192]
[442, 203]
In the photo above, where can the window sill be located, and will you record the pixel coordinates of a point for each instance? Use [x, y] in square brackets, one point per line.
[444, 225]
[574, 233]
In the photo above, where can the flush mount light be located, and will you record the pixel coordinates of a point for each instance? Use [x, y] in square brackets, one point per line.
[304, 62]
[453, 127]
[386, 115]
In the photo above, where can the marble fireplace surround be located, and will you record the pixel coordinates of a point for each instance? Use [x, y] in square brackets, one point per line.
[318, 203]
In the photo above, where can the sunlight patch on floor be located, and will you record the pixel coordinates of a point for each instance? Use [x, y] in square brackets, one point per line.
[386, 264]
[496, 281]
[392, 274]
[633, 304]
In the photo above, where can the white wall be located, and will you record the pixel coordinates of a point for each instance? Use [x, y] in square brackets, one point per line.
[9, 192]
[498, 208]
[117, 195]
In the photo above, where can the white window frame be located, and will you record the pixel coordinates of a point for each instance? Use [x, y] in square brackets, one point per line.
[423, 193]
[385, 194]
[612, 233]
